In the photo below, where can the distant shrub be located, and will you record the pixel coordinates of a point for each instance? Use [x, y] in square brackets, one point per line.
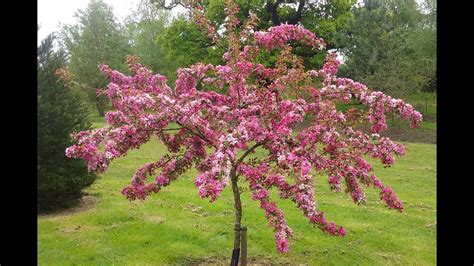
[431, 84]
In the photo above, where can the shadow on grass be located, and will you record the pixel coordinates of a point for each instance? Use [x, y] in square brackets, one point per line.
[88, 201]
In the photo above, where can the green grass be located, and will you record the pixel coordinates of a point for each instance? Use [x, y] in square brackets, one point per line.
[175, 226]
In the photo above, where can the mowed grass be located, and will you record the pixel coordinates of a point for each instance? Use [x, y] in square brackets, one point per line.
[176, 226]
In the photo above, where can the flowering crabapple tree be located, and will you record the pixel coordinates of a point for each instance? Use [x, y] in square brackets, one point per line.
[216, 116]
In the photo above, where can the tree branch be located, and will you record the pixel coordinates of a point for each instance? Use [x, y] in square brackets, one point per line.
[199, 134]
[297, 16]
[169, 129]
[239, 161]
[272, 8]
[162, 4]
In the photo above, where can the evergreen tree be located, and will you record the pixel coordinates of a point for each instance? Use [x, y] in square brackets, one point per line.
[60, 111]
[97, 38]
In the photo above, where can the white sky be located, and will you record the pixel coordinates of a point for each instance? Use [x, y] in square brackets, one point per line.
[51, 12]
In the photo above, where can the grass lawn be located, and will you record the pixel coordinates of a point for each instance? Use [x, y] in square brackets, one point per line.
[175, 226]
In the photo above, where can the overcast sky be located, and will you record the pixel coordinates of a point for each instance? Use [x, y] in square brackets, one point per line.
[51, 12]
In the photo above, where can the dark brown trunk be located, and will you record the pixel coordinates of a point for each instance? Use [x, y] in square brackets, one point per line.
[272, 8]
[238, 217]
[100, 109]
[297, 16]
[426, 106]
[243, 246]
[238, 205]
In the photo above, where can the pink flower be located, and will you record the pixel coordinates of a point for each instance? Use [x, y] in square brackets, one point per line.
[342, 231]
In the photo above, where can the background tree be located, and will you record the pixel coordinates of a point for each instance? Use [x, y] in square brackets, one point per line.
[391, 45]
[60, 111]
[276, 12]
[422, 40]
[96, 38]
[144, 27]
[324, 17]
[185, 44]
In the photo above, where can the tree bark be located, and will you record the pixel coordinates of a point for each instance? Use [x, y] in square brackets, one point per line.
[100, 109]
[238, 216]
[272, 8]
[298, 14]
[238, 204]
[243, 246]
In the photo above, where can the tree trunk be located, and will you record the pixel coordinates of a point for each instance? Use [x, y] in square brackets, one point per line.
[100, 109]
[238, 217]
[243, 246]
[426, 105]
[238, 205]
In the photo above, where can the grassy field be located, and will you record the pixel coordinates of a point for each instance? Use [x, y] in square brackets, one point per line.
[175, 226]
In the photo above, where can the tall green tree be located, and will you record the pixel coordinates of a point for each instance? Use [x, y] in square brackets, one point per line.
[423, 42]
[390, 45]
[324, 17]
[373, 33]
[60, 111]
[96, 38]
[144, 26]
[184, 44]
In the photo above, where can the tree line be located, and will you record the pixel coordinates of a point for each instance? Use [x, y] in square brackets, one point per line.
[388, 44]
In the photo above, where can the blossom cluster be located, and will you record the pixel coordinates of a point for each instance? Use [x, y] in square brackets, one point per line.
[215, 112]
[279, 36]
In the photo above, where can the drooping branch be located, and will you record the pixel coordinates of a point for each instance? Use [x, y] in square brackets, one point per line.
[171, 5]
[199, 134]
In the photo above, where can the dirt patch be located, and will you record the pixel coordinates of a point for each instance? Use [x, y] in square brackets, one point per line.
[399, 132]
[85, 203]
[198, 210]
[75, 229]
[393, 257]
[431, 226]
[404, 133]
[155, 219]
[251, 261]
[411, 135]
[222, 261]
[71, 230]
[422, 206]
